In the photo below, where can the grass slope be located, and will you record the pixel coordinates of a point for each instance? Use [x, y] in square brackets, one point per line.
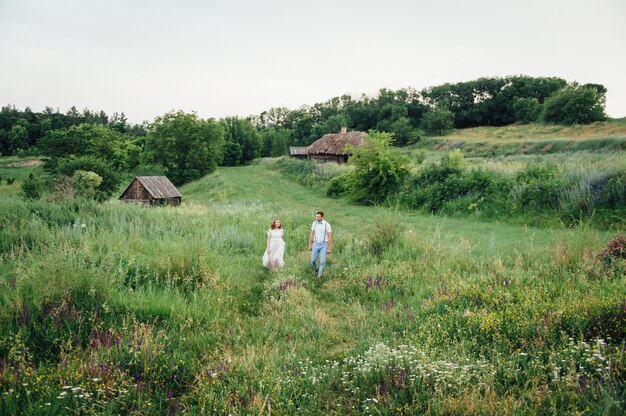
[539, 132]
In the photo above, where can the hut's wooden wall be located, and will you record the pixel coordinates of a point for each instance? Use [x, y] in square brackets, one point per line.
[136, 192]
[329, 158]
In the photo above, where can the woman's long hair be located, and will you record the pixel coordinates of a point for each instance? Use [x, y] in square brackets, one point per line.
[274, 226]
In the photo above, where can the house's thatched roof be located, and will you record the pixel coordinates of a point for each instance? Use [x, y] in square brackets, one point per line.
[158, 186]
[298, 150]
[334, 143]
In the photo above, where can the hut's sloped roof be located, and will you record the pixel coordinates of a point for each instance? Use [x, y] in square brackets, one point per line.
[298, 150]
[333, 143]
[159, 186]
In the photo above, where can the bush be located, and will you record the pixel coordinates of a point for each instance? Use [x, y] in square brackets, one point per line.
[613, 194]
[448, 186]
[418, 156]
[32, 187]
[610, 261]
[86, 183]
[338, 186]
[538, 187]
[110, 179]
[378, 172]
[384, 236]
[440, 186]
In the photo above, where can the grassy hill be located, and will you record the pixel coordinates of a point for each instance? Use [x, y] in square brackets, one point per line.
[540, 132]
[113, 308]
[533, 140]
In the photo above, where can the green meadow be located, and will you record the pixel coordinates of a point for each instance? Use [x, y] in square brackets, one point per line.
[122, 309]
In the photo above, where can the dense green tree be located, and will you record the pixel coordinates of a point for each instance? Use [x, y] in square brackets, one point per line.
[489, 101]
[241, 132]
[388, 114]
[302, 133]
[416, 108]
[274, 117]
[438, 121]
[574, 104]
[526, 110]
[18, 137]
[599, 88]
[4, 143]
[457, 98]
[275, 142]
[9, 115]
[186, 146]
[119, 122]
[86, 140]
[503, 110]
[232, 154]
[139, 131]
[404, 133]
[92, 117]
[332, 125]
[34, 126]
[362, 114]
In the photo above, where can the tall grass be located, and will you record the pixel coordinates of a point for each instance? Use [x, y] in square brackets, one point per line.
[113, 308]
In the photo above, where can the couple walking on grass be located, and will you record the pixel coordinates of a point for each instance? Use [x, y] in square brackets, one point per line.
[320, 244]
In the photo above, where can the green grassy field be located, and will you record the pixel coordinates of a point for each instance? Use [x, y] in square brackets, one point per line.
[112, 308]
[13, 170]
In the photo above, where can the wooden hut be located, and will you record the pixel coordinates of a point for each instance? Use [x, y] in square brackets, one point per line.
[330, 148]
[298, 152]
[152, 190]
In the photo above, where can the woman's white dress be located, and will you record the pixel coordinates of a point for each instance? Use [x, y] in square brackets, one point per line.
[273, 258]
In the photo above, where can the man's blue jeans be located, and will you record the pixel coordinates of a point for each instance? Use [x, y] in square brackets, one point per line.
[319, 250]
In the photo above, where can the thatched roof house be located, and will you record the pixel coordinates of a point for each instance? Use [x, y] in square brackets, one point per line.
[152, 190]
[330, 147]
[298, 152]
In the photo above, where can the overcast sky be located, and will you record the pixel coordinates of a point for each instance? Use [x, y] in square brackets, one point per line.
[240, 57]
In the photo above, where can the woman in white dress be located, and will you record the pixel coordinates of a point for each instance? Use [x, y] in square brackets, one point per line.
[273, 256]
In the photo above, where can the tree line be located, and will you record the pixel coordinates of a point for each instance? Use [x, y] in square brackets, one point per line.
[410, 114]
[186, 147]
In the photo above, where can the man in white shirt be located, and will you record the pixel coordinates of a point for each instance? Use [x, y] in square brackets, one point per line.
[320, 242]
